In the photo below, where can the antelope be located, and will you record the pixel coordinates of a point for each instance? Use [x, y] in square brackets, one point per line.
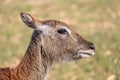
[52, 41]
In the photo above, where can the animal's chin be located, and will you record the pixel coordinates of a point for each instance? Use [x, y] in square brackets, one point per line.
[83, 54]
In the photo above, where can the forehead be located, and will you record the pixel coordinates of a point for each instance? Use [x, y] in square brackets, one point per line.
[55, 23]
[49, 26]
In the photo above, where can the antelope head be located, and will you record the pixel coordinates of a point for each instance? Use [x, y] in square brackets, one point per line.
[58, 40]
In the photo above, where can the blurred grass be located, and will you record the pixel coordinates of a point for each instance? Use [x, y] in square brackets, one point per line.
[96, 20]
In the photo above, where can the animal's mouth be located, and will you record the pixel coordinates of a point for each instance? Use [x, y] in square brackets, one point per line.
[84, 54]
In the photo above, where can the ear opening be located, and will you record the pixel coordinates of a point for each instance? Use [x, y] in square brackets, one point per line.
[29, 20]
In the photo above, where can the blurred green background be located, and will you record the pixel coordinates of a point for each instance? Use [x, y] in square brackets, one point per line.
[96, 20]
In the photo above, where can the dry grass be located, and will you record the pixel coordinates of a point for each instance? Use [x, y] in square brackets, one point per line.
[96, 20]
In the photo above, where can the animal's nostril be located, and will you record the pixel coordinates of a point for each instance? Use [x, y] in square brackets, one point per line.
[91, 46]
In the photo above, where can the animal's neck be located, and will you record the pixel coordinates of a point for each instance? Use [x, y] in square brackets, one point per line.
[34, 66]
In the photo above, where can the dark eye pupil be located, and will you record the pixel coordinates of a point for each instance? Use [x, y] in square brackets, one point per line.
[62, 31]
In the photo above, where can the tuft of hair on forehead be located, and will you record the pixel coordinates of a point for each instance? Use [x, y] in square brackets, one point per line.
[53, 23]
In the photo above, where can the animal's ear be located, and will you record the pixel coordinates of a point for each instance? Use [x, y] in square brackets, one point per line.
[29, 20]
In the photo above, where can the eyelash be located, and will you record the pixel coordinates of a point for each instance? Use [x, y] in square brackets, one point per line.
[62, 31]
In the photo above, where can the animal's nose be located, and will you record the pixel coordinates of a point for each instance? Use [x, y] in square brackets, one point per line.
[91, 46]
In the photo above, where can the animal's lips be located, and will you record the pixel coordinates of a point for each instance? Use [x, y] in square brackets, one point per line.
[88, 52]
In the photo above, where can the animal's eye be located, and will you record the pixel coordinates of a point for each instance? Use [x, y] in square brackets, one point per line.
[62, 31]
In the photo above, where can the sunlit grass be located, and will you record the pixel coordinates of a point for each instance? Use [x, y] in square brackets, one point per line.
[96, 20]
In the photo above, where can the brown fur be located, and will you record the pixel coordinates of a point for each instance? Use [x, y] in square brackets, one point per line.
[44, 50]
